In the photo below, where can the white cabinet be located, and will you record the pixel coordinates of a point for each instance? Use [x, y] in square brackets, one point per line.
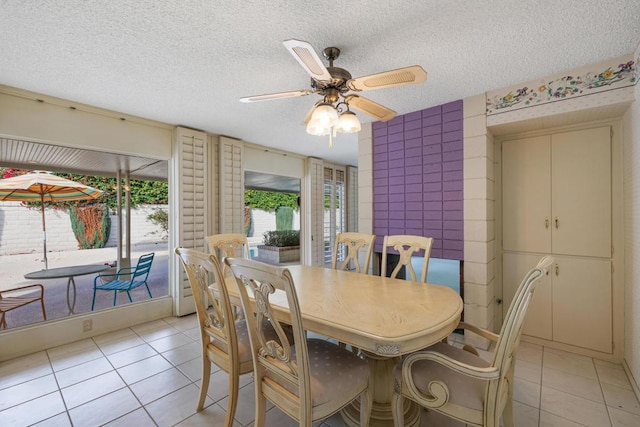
[572, 305]
[557, 200]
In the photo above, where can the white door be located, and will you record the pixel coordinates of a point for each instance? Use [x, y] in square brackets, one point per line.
[526, 189]
[538, 320]
[189, 185]
[582, 302]
[581, 192]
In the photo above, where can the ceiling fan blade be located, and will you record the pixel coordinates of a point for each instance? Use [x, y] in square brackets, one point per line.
[371, 108]
[402, 76]
[308, 58]
[279, 95]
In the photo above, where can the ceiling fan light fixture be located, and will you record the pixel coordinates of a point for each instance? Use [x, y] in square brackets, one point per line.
[326, 115]
[348, 123]
[317, 128]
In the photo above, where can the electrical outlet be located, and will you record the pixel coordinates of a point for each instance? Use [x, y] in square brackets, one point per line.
[87, 325]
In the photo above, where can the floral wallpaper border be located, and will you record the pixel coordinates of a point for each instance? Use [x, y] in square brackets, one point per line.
[565, 87]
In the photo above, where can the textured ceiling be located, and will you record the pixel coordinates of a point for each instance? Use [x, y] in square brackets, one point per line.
[188, 62]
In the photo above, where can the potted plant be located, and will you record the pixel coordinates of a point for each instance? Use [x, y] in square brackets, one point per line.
[280, 246]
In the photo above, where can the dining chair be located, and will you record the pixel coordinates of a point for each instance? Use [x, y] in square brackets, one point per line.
[13, 298]
[308, 379]
[461, 385]
[228, 245]
[225, 341]
[125, 279]
[348, 250]
[407, 247]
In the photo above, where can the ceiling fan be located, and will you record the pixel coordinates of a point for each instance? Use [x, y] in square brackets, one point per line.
[335, 85]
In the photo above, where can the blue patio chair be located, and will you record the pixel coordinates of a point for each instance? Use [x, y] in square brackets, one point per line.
[135, 276]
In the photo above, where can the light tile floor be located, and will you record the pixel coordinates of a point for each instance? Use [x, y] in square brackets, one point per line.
[149, 375]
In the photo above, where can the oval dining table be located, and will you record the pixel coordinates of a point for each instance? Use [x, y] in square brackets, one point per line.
[385, 318]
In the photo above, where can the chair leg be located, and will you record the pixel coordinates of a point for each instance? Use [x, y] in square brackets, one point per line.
[93, 302]
[129, 295]
[44, 313]
[145, 283]
[3, 322]
[204, 382]
[115, 294]
[397, 410]
[507, 413]
[234, 385]
[261, 409]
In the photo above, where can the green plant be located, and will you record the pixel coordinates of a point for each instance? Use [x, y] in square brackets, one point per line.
[284, 218]
[142, 192]
[248, 221]
[161, 218]
[270, 200]
[91, 225]
[282, 238]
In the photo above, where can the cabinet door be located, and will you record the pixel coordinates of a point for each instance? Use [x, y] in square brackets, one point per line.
[582, 303]
[581, 192]
[538, 321]
[526, 186]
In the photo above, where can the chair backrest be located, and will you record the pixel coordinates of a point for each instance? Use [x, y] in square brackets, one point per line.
[507, 345]
[280, 370]
[407, 246]
[350, 245]
[205, 276]
[228, 245]
[143, 268]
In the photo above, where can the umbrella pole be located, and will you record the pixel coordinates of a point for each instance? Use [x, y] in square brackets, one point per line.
[44, 232]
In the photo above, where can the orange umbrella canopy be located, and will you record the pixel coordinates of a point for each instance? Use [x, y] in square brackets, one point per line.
[40, 186]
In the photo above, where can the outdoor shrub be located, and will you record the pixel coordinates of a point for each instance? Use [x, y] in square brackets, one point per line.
[282, 238]
[284, 218]
[160, 217]
[91, 225]
[248, 221]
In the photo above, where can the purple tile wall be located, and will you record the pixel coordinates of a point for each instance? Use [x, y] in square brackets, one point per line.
[418, 178]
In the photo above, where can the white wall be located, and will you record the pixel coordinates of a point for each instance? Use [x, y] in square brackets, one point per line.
[52, 121]
[21, 229]
[266, 221]
[631, 149]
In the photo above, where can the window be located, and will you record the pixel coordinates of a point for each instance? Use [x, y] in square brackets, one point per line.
[334, 209]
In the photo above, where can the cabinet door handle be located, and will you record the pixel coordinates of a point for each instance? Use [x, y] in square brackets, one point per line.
[557, 270]
[546, 223]
[557, 223]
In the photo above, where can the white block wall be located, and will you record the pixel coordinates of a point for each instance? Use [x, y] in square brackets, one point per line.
[479, 219]
[631, 151]
[266, 221]
[21, 229]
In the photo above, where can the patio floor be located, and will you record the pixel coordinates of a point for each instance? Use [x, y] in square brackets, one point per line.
[14, 267]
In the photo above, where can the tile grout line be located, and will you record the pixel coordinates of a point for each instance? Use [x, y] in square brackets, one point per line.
[604, 398]
[126, 385]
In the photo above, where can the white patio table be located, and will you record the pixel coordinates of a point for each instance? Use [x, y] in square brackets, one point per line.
[70, 272]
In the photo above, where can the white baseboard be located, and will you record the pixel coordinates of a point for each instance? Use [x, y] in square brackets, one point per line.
[632, 380]
[49, 334]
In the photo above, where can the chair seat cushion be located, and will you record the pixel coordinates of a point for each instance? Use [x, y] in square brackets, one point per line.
[463, 390]
[334, 371]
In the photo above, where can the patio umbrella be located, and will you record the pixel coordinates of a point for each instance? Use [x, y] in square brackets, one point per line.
[41, 186]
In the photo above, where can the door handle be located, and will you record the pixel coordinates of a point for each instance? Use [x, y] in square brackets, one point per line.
[557, 270]
[557, 223]
[546, 223]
